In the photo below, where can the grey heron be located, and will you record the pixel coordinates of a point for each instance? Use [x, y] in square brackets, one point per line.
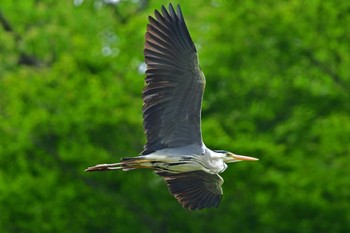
[172, 100]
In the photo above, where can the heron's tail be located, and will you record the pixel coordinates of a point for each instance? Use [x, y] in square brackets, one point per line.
[126, 164]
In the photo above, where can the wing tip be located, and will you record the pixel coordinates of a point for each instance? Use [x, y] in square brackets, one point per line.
[191, 190]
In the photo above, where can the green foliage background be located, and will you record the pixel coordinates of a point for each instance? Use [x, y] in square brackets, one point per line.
[278, 79]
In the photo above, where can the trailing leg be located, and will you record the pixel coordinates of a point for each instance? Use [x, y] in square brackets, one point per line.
[126, 164]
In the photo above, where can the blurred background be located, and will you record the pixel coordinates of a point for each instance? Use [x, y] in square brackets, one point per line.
[278, 79]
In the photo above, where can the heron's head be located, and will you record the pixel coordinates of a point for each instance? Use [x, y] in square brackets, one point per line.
[230, 157]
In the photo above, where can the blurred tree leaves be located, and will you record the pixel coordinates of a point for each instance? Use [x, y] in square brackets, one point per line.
[277, 88]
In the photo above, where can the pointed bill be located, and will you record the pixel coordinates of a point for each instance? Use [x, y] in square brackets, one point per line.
[243, 158]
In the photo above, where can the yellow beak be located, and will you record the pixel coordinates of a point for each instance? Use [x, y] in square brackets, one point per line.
[242, 157]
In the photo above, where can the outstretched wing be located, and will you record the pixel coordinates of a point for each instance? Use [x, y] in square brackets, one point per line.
[195, 190]
[174, 84]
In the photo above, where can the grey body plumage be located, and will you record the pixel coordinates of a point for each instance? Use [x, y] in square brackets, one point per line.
[172, 117]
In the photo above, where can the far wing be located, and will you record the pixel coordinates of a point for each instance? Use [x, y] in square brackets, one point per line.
[174, 84]
[194, 190]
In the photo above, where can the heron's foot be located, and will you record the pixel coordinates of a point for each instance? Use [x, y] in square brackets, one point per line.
[126, 164]
[104, 167]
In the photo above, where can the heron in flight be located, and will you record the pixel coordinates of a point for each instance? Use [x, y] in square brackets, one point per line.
[172, 100]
